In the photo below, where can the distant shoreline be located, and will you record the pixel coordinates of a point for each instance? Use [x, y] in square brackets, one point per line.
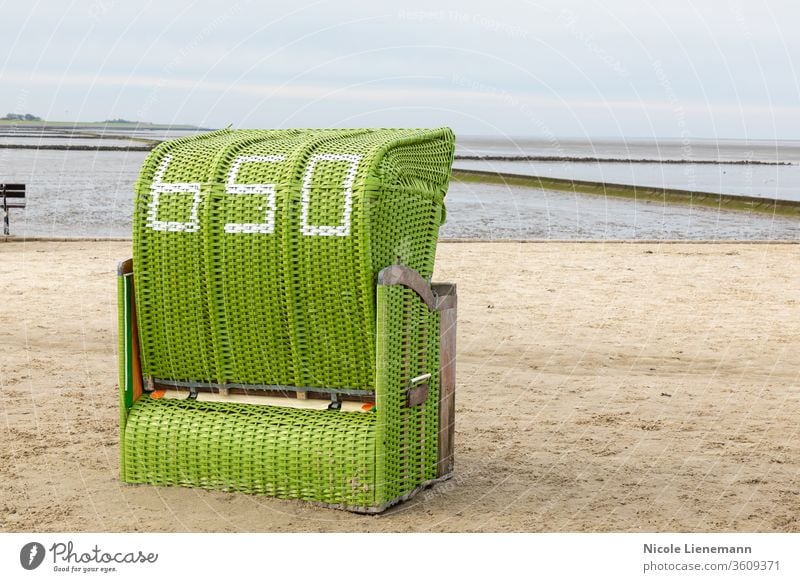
[48, 125]
[86, 130]
[576, 160]
[89, 130]
[79, 147]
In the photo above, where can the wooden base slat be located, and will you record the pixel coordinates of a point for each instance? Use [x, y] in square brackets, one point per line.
[309, 403]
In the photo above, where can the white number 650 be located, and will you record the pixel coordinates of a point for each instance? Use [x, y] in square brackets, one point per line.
[159, 188]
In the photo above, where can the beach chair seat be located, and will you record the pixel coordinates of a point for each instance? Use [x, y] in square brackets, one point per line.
[278, 331]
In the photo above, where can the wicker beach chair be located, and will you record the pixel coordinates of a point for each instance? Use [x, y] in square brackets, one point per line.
[278, 331]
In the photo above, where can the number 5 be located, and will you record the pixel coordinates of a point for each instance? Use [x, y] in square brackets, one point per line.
[231, 187]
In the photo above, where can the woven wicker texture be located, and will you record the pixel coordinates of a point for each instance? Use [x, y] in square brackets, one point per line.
[362, 462]
[256, 255]
[324, 456]
[256, 252]
[408, 346]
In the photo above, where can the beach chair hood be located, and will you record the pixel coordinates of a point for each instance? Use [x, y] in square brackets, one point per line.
[256, 253]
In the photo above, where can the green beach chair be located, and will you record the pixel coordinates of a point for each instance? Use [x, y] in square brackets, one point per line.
[279, 334]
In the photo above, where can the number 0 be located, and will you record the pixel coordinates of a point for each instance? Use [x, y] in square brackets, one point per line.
[342, 229]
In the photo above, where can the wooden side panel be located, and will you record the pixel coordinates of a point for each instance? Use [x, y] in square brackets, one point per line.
[448, 305]
[137, 363]
[130, 353]
[408, 277]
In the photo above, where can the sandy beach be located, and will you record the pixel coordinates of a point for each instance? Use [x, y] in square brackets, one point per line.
[601, 387]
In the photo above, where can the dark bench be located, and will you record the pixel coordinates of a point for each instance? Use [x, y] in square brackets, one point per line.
[13, 196]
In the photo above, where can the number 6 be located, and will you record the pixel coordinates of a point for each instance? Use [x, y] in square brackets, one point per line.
[158, 188]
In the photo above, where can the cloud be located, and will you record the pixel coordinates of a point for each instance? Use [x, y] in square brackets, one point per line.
[589, 67]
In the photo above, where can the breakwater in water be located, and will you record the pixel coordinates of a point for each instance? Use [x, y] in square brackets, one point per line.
[654, 194]
[604, 160]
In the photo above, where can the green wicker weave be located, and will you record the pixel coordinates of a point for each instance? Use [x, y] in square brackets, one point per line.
[256, 262]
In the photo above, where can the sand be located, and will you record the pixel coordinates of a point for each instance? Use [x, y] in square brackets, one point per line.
[601, 387]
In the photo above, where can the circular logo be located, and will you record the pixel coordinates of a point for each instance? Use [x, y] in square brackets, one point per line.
[31, 555]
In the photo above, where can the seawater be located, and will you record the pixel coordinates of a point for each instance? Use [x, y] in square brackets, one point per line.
[635, 149]
[776, 176]
[84, 193]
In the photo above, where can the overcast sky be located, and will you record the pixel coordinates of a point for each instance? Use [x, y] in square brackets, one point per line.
[615, 68]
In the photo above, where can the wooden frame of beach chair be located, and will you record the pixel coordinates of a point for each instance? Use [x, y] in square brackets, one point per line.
[289, 343]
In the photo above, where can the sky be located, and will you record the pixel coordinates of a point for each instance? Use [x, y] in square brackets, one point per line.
[621, 69]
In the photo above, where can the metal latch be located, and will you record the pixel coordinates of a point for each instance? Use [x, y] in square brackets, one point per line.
[417, 391]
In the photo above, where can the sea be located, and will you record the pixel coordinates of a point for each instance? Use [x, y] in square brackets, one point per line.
[75, 193]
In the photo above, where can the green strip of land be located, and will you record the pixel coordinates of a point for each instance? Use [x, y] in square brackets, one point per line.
[88, 130]
[126, 125]
[80, 147]
[750, 204]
